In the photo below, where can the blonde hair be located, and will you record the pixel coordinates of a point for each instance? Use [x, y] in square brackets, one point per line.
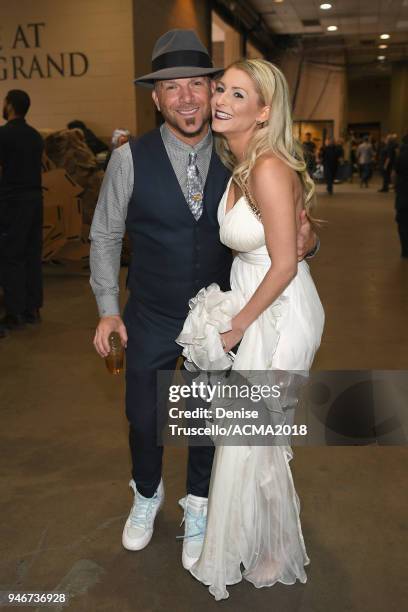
[275, 135]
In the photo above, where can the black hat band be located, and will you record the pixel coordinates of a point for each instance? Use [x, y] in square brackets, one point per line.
[174, 59]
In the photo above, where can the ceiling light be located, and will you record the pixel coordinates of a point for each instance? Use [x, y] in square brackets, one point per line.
[383, 46]
[381, 58]
[384, 36]
[326, 6]
[332, 28]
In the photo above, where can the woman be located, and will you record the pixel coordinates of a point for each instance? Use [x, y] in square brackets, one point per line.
[253, 516]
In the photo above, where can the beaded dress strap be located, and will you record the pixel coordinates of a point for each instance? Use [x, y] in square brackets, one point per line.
[251, 202]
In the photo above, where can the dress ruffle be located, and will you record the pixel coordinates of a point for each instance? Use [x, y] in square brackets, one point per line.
[211, 313]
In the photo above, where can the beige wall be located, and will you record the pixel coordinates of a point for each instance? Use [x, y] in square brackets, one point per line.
[232, 46]
[104, 97]
[152, 18]
[321, 92]
[369, 101]
[289, 64]
[227, 42]
[321, 96]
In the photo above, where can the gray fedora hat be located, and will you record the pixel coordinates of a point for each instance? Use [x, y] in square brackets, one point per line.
[178, 54]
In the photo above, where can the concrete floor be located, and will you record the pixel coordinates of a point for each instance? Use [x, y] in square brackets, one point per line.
[65, 463]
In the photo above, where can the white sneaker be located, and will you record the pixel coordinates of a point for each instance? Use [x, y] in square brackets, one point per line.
[138, 529]
[195, 521]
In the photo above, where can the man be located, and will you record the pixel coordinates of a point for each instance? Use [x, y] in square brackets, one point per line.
[387, 160]
[21, 212]
[365, 156]
[309, 149]
[164, 188]
[330, 156]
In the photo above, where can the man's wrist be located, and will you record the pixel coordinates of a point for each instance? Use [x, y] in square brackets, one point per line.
[108, 305]
[314, 251]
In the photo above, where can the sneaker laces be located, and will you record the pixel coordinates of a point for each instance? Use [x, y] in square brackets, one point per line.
[195, 526]
[141, 515]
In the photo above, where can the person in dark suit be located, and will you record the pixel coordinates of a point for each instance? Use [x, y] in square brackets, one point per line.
[387, 161]
[330, 155]
[309, 149]
[164, 189]
[401, 196]
[21, 213]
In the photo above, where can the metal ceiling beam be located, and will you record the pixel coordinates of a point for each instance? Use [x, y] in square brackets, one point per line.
[242, 16]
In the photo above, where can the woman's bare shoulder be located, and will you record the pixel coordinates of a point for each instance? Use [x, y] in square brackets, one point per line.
[269, 167]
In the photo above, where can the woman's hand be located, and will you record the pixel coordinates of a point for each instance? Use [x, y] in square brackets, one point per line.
[231, 338]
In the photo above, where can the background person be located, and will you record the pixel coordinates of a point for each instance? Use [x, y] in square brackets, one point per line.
[94, 143]
[21, 214]
[309, 150]
[387, 161]
[365, 155]
[330, 155]
[120, 137]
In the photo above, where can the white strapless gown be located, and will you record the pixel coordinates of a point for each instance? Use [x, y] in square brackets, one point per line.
[253, 512]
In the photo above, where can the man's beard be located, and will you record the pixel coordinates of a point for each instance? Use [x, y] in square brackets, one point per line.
[5, 114]
[202, 128]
